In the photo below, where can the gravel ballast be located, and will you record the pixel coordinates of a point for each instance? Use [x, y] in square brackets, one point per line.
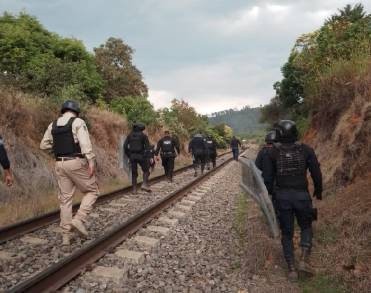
[220, 245]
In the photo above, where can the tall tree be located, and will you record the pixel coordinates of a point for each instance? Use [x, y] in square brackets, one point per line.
[122, 78]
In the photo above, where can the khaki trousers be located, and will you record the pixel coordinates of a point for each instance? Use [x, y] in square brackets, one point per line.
[74, 174]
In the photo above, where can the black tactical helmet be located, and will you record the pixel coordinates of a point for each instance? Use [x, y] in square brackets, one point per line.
[287, 131]
[70, 105]
[271, 137]
[138, 127]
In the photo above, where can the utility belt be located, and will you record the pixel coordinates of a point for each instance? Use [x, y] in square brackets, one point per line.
[168, 154]
[69, 157]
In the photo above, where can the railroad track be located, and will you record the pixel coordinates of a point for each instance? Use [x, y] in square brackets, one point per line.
[18, 229]
[25, 257]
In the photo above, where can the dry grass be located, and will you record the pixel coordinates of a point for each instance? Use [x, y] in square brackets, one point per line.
[343, 236]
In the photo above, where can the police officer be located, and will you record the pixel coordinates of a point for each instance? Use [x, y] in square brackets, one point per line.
[136, 147]
[285, 169]
[168, 148]
[235, 144]
[211, 152]
[270, 139]
[68, 137]
[197, 147]
[4, 162]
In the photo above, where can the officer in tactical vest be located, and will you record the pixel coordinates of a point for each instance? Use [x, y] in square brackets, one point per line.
[4, 162]
[136, 147]
[211, 152]
[68, 137]
[285, 170]
[270, 139]
[197, 147]
[235, 144]
[168, 148]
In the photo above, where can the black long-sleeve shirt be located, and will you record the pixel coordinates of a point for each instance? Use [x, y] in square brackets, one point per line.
[4, 161]
[269, 172]
[235, 143]
[174, 145]
[264, 151]
[197, 145]
[143, 140]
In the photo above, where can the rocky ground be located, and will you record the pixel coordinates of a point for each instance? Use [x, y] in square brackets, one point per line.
[220, 244]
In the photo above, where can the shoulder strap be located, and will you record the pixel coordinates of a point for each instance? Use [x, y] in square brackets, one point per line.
[71, 121]
[54, 125]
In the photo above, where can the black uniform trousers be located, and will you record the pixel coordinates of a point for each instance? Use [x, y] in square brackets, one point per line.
[292, 204]
[168, 164]
[140, 160]
[235, 152]
[212, 158]
[199, 159]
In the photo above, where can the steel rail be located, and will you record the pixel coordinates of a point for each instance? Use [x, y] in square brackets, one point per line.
[27, 226]
[65, 270]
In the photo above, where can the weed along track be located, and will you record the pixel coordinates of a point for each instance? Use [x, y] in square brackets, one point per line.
[34, 262]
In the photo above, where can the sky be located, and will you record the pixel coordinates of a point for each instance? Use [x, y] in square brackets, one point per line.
[215, 54]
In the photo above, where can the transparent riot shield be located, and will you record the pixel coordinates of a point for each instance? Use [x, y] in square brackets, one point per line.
[252, 183]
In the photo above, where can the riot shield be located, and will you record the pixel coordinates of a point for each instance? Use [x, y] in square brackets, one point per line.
[252, 183]
[124, 160]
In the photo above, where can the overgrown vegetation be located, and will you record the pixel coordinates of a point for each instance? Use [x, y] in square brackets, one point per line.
[338, 52]
[54, 68]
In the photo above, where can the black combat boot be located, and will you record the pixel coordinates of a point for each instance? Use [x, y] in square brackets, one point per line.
[305, 269]
[145, 185]
[292, 273]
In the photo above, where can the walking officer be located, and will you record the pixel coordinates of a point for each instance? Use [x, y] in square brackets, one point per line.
[235, 144]
[4, 162]
[211, 152]
[197, 147]
[68, 137]
[168, 149]
[270, 139]
[285, 170]
[136, 147]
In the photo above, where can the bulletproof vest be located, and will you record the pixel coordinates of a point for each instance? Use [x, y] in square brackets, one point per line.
[210, 144]
[167, 146]
[136, 142]
[291, 166]
[64, 144]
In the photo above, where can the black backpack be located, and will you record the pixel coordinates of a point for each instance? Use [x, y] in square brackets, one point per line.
[136, 142]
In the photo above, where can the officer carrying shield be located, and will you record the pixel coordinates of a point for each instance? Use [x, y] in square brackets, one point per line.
[136, 147]
[285, 170]
[4, 162]
[197, 147]
[168, 148]
[211, 152]
[68, 137]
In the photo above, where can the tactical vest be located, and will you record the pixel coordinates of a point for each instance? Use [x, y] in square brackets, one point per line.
[136, 143]
[291, 166]
[64, 144]
[167, 146]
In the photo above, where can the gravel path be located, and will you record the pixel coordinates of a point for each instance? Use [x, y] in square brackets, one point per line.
[220, 245]
[24, 257]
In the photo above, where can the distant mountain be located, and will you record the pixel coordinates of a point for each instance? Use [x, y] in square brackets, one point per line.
[243, 122]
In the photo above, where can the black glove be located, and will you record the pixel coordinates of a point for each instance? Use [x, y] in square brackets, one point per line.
[318, 195]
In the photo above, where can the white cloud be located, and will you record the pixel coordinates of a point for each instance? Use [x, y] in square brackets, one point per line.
[160, 98]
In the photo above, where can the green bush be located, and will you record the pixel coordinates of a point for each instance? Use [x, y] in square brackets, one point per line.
[42, 62]
[135, 109]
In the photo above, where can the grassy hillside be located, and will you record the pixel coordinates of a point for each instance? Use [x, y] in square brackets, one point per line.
[243, 122]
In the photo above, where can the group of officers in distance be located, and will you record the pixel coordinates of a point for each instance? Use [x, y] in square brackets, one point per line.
[68, 139]
[284, 163]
